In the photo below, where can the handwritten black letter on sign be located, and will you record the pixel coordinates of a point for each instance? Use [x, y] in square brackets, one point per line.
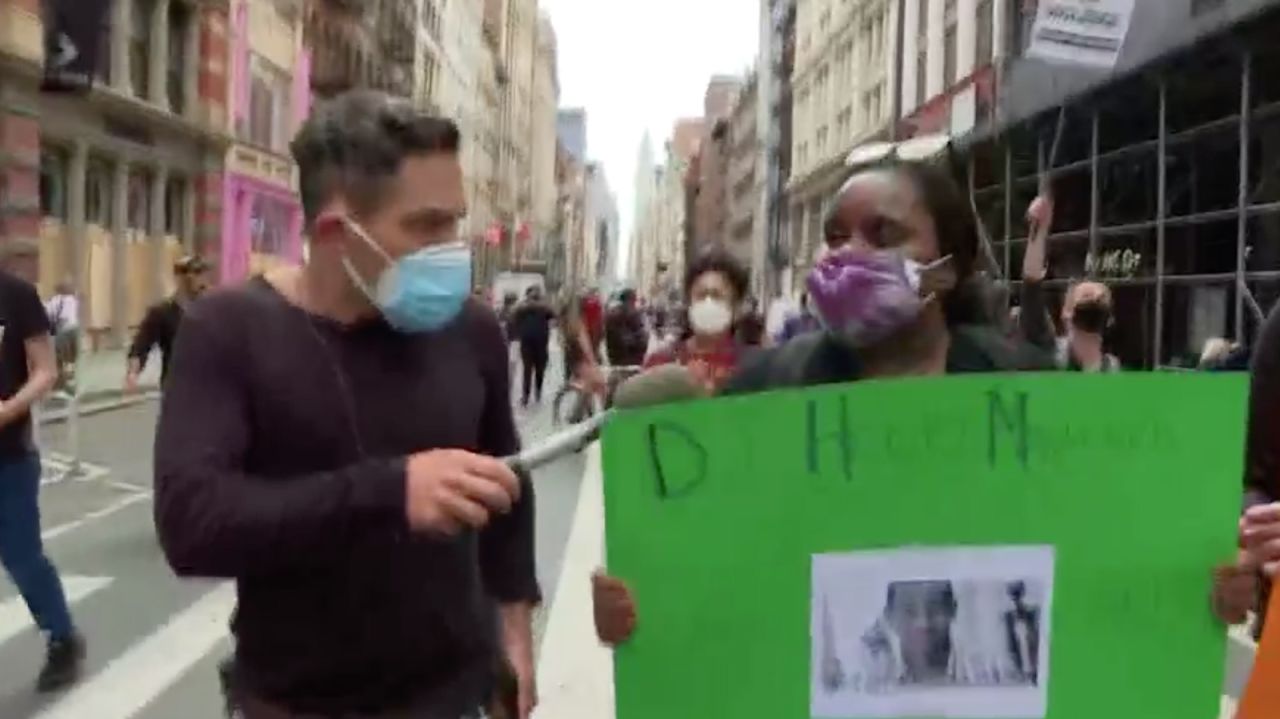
[680, 486]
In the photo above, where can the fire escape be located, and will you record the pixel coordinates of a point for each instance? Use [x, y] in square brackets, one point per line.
[361, 43]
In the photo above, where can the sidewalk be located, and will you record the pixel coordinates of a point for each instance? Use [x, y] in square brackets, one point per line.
[101, 385]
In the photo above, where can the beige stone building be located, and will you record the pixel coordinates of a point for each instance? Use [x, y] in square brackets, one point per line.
[744, 228]
[542, 142]
[842, 86]
[112, 184]
[662, 224]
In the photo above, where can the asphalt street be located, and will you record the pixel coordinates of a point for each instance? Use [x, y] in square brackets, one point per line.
[154, 640]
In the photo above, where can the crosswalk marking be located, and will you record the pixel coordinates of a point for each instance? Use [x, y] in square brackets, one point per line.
[135, 678]
[14, 617]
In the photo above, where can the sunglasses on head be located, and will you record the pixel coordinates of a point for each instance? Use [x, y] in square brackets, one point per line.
[917, 149]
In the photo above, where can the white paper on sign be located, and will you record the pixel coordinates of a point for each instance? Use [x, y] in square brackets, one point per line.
[1081, 32]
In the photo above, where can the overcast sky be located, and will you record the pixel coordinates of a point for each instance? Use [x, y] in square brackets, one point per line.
[640, 64]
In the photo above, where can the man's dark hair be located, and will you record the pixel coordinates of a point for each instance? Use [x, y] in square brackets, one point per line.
[355, 143]
[717, 260]
[627, 296]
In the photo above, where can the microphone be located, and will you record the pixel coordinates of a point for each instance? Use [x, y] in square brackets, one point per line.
[561, 444]
[660, 385]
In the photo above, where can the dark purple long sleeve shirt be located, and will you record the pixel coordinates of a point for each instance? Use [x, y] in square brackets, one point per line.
[280, 463]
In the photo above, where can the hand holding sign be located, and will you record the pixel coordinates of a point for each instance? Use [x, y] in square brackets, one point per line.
[1260, 536]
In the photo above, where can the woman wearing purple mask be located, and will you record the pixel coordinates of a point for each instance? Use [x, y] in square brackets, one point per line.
[897, 296]
[896, 290]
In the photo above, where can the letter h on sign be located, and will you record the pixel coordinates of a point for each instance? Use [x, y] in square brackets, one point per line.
[841, 437]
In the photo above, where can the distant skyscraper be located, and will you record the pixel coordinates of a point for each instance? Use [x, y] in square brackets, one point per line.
[571, 127]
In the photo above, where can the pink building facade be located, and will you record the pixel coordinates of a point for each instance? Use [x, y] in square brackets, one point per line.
[270, 96]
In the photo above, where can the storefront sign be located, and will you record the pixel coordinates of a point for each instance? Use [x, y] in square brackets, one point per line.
[1113, 263]
[1081, 32]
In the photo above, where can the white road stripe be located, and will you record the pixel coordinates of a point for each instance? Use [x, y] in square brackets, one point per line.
[15, 619]
[575, 673]
[134, 679]
[112, 508]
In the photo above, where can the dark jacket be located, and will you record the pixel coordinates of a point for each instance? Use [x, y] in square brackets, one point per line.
[820, 358]
[625, 338]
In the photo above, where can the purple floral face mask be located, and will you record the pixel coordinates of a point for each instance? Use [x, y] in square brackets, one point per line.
[866, 296]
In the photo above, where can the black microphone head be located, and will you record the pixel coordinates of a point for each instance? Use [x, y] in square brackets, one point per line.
[660, 385]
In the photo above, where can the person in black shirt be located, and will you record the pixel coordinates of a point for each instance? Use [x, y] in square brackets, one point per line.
[531, 327]
[160, 325]
[750, 324]
[328, 439]
[27, 372]
[625, 337]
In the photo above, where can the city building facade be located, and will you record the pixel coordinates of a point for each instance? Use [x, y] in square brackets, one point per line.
[269, 97]
[744, 229]
[112, 184]
[571, 128]
[663, 223]
[710, 186]
[842, 83]
[361, 43]
[542, 144]
[773, 276]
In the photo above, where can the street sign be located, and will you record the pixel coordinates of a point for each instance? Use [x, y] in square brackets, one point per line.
[977, 546]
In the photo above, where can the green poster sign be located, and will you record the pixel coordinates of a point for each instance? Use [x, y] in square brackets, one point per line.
[981, 546]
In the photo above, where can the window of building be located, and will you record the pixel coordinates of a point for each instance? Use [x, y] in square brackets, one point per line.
[950, 61]
[53, 183]
[268, 105]
[175, 205]
[269, 222]
[98, 193]
[822, 139]
[922, 78]
[139, 201]
[140, 46]
[176, 78]
[103, 71]
[986, 33]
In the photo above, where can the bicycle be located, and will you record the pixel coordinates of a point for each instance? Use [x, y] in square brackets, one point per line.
[582, 403]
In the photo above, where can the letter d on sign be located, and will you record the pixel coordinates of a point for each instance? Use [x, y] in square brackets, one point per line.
[685, 463]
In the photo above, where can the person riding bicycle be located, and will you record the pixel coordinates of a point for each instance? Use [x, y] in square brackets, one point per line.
[581, 366]
[714, 287]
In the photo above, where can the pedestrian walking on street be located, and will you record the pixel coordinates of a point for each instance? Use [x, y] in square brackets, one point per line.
[159, 326]
[531, 327]
[28, 371]
[328, 436]
[63, 310]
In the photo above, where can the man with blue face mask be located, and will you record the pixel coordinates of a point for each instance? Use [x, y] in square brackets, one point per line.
[327, 440]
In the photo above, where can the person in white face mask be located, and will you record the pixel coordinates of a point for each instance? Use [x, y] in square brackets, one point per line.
[714, 288]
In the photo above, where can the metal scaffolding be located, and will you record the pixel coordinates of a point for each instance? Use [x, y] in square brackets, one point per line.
[1115, 212]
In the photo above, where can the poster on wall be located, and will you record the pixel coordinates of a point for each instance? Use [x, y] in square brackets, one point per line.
[981, 547]
[1081, 32]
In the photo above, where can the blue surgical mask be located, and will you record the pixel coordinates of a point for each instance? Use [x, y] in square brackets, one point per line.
[422, 291]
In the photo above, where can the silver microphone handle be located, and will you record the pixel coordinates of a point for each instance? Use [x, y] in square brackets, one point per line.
[566, 442]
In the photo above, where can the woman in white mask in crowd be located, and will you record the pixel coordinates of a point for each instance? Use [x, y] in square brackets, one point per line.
[715, 285]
